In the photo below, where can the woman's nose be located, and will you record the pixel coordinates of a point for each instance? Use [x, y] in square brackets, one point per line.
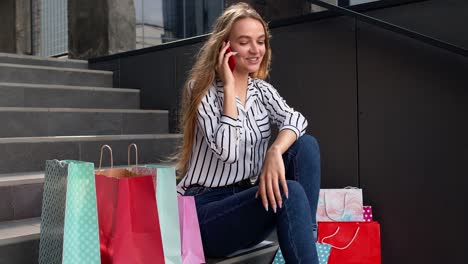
[253, 48]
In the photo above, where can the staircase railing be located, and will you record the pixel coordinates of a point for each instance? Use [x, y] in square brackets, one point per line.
[392, 27]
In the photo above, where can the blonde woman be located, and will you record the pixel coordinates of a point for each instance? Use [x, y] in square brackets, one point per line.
[244, 189]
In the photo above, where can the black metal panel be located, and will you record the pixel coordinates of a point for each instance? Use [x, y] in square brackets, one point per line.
[314, 70]
[445, 20]
[154, 75]
[414, 146]
[160, 76]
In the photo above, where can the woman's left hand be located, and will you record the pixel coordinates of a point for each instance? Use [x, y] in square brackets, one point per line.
[273, 174]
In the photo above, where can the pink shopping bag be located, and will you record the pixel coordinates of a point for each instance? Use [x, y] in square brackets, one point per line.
[192, 248]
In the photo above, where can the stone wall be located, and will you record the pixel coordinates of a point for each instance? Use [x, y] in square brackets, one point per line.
[23, 26]
[7, 26]
[98, 28]
[36, 31]
[15, 26]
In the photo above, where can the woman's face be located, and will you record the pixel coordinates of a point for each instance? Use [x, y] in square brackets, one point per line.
[248, 39]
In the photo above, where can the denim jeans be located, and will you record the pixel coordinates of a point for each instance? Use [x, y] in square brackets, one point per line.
[231, 218]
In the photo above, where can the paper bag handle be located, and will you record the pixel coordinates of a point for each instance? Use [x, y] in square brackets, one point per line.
[326, 210]
[136, 154]
[345, 247]
[111, 157]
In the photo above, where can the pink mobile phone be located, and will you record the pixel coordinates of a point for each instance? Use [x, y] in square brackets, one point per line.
[231, 61]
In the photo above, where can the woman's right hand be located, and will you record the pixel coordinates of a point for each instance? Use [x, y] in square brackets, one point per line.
[222, 68]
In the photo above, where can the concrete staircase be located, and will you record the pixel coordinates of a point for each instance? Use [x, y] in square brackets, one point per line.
[59, 109]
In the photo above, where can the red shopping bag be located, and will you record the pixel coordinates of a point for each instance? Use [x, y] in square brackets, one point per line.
[351, 242]
[128, 218]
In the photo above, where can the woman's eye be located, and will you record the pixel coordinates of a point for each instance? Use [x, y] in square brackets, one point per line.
[261, 42]
[243, 43]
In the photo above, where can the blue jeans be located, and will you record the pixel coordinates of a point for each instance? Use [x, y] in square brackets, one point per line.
[231, 218]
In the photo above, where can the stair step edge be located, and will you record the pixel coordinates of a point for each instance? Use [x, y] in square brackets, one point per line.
[88, 138]
[23, 178]
[63, 69]
[81, 110]
[67, 87]
[22, 56]
[16, 231]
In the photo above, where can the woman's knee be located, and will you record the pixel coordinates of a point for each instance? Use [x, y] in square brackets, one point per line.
[295, 189]
[308, 144]
[309, 141]
[297, 197]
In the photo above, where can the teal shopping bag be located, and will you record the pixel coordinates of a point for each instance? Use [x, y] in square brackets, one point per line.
[323, 251]
[81, 231]
[168, 211]
[69, 224]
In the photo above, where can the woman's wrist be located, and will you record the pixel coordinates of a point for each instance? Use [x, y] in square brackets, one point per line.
[229, 90]
[274, 150]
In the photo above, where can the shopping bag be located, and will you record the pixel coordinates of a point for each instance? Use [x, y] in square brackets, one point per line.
[192, 248]
[69, 224]
[168, 212]
[367, 213]
[129, 228]
[340, 205]
[323, 252]
[351, 242]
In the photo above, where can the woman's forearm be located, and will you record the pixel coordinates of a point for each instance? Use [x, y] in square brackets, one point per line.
[230, 107]
[283, 141]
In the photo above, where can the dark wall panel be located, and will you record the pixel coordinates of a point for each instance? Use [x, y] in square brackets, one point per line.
[8, 26]
[184, 60]
[413, 146]
[314, 70]
[160, 76]
[441, 19]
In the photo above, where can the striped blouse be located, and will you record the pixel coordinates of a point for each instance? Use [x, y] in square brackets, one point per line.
[228, 150]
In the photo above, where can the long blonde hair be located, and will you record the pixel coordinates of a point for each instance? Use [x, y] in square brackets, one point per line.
[203, 73]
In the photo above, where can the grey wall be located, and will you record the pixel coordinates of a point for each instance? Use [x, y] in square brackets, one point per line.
[15, 26]
[7, 28]
[389, 113]
[98, 28]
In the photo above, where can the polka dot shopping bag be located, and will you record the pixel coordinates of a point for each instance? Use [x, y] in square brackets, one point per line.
[69, 223]
[323, 252]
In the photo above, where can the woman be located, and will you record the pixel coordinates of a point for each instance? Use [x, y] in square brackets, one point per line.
[244, 189]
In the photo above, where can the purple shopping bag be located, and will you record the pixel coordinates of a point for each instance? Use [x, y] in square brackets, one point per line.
[192, 248]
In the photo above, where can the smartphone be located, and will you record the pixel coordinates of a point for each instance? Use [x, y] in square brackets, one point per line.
[231, 61]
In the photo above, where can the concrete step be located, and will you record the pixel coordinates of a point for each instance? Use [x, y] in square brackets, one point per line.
[42, 61]
[49, 95]
[29, 154]
[19, 243]
[17, 73]
[263, 253]
[42, 122]
[21, 194]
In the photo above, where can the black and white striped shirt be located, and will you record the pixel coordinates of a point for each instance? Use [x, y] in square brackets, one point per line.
[228, 150]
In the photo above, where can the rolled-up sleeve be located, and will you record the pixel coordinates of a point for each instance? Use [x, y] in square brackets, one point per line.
[282, 115]
[221, 132]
